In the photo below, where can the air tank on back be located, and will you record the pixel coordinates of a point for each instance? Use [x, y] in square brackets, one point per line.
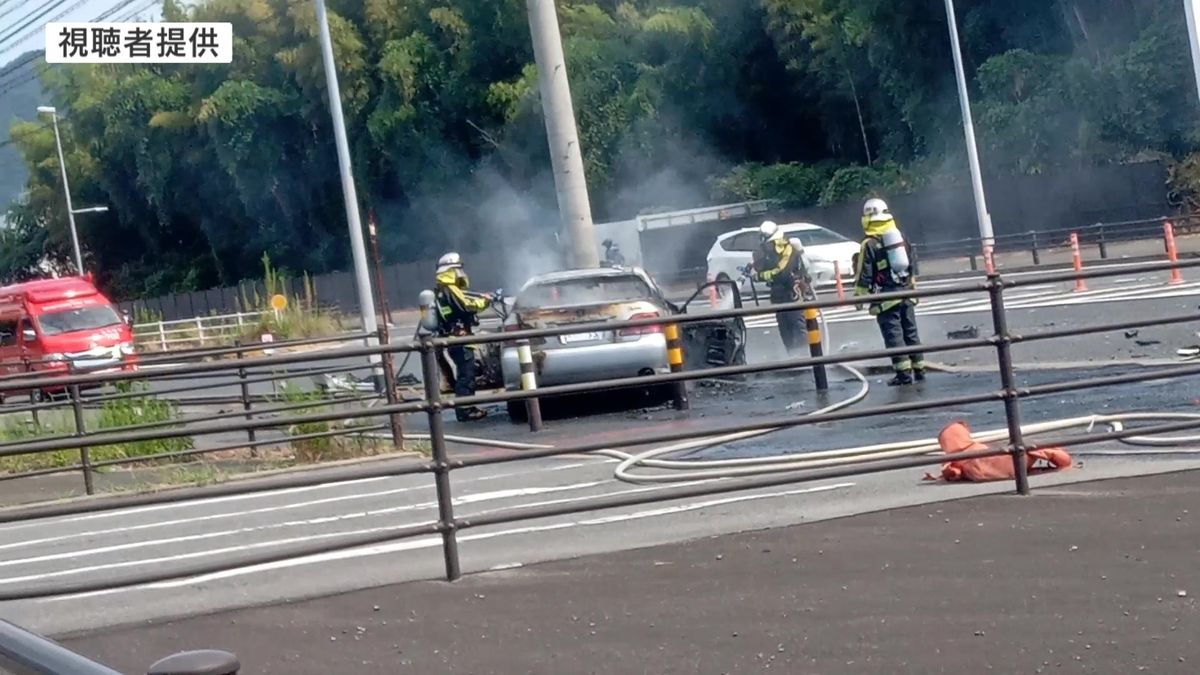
[897, 254]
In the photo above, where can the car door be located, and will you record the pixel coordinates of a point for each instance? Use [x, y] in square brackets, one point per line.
[10, 345]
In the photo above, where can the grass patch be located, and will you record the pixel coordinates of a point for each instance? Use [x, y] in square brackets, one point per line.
[329, 448]
[142, 408]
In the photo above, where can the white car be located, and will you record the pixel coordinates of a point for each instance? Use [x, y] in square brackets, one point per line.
[822, 249]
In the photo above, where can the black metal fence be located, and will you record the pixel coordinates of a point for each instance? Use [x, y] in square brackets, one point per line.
[432, 404]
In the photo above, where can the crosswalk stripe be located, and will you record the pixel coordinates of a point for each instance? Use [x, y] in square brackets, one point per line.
[1033, 297]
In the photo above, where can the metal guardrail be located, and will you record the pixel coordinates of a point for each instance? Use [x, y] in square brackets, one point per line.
[441, 464]
[1038, 242]
[217, 329]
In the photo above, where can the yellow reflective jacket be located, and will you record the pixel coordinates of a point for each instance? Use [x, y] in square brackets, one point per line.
[457, 306]
[873, 273]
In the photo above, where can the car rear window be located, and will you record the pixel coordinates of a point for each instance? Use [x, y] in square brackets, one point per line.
[585, 291]
[817, 237]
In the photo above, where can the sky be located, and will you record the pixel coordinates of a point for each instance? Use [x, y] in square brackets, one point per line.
[14, 13]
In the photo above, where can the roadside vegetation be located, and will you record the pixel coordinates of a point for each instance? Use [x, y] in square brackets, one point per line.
[306, 443]
[679, 102]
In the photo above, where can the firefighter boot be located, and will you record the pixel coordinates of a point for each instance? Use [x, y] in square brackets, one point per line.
[902, 378]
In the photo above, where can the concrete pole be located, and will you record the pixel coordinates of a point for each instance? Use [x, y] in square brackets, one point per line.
[362, 278]
[566, 158]
[62, 163]
[981, 210]
[1191, 9]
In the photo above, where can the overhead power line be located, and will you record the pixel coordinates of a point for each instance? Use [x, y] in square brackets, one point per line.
[56, 17]
[31, 19]
[131, 15]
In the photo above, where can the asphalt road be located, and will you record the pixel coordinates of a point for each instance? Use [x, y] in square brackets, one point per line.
[1092, 578]
[111, 545]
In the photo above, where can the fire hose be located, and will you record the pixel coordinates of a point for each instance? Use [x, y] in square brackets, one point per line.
[633, 466]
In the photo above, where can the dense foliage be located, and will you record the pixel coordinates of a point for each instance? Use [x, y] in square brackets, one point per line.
[679, 102]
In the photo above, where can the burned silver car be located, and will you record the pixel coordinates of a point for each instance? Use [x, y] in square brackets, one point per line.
[609, 295]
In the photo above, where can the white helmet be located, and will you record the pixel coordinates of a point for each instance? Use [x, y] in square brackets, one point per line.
[876, 210]
[449, 261]
[769, 231]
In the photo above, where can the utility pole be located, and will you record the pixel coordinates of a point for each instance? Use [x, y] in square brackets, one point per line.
[62, 164]
[1191, 10]
[366, 299]
[981, 210]
[566, 157]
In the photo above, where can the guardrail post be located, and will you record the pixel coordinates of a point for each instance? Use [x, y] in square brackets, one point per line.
[675, 361]
[1103, 244]
[162, 336]
[815, 349]
[533, 407]
[1012, 411]
[1037, 259]
[33, 403]
[200, 329]
[246, 405]
[389, 386]
[441, 464]
[974, 265]
[85, 454]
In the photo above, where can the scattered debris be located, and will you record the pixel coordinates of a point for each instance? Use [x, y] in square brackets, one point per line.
[964, 333]
[1130, 334]
[1147, 343]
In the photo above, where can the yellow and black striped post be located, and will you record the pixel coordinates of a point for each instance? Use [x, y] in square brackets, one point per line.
[675, 360]
[814, 346]
[533, 408]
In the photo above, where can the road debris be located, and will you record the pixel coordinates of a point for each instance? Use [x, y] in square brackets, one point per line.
[964, 333]
[1147, 343]
[1130, 334]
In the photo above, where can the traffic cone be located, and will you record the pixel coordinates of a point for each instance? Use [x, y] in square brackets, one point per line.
[837, 275]
[1172, 252]
[1080, 285]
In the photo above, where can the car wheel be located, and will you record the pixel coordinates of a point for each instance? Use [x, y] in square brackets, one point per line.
[517, 414]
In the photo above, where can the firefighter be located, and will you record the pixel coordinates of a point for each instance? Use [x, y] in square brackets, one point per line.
[458, 314]
[780, 264]
[612, 254]
[884, 267]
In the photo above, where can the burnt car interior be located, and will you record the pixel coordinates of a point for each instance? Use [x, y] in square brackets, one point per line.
[716, 342]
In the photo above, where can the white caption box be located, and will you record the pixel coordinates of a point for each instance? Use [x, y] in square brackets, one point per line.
[139, 42]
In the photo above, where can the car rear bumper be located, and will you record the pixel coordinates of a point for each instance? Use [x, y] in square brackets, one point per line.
[589, 363]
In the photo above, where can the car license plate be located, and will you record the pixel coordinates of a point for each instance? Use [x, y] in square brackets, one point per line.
[580, 337]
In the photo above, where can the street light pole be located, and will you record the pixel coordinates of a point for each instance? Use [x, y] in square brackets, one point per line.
[362, 277]
[62, 164]
[1191, 10]
[981, 210]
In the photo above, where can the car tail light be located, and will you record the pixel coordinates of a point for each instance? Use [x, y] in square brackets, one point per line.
[642, 330]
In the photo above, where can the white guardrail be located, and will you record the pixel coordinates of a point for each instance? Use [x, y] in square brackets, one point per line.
[203, 331]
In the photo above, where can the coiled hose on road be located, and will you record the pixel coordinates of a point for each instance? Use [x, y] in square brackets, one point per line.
[681, 470]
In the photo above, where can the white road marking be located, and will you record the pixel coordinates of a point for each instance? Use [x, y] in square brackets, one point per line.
[407, 545]
[267, 509]
[1032, 297]
[40, 524]
[468, 499]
